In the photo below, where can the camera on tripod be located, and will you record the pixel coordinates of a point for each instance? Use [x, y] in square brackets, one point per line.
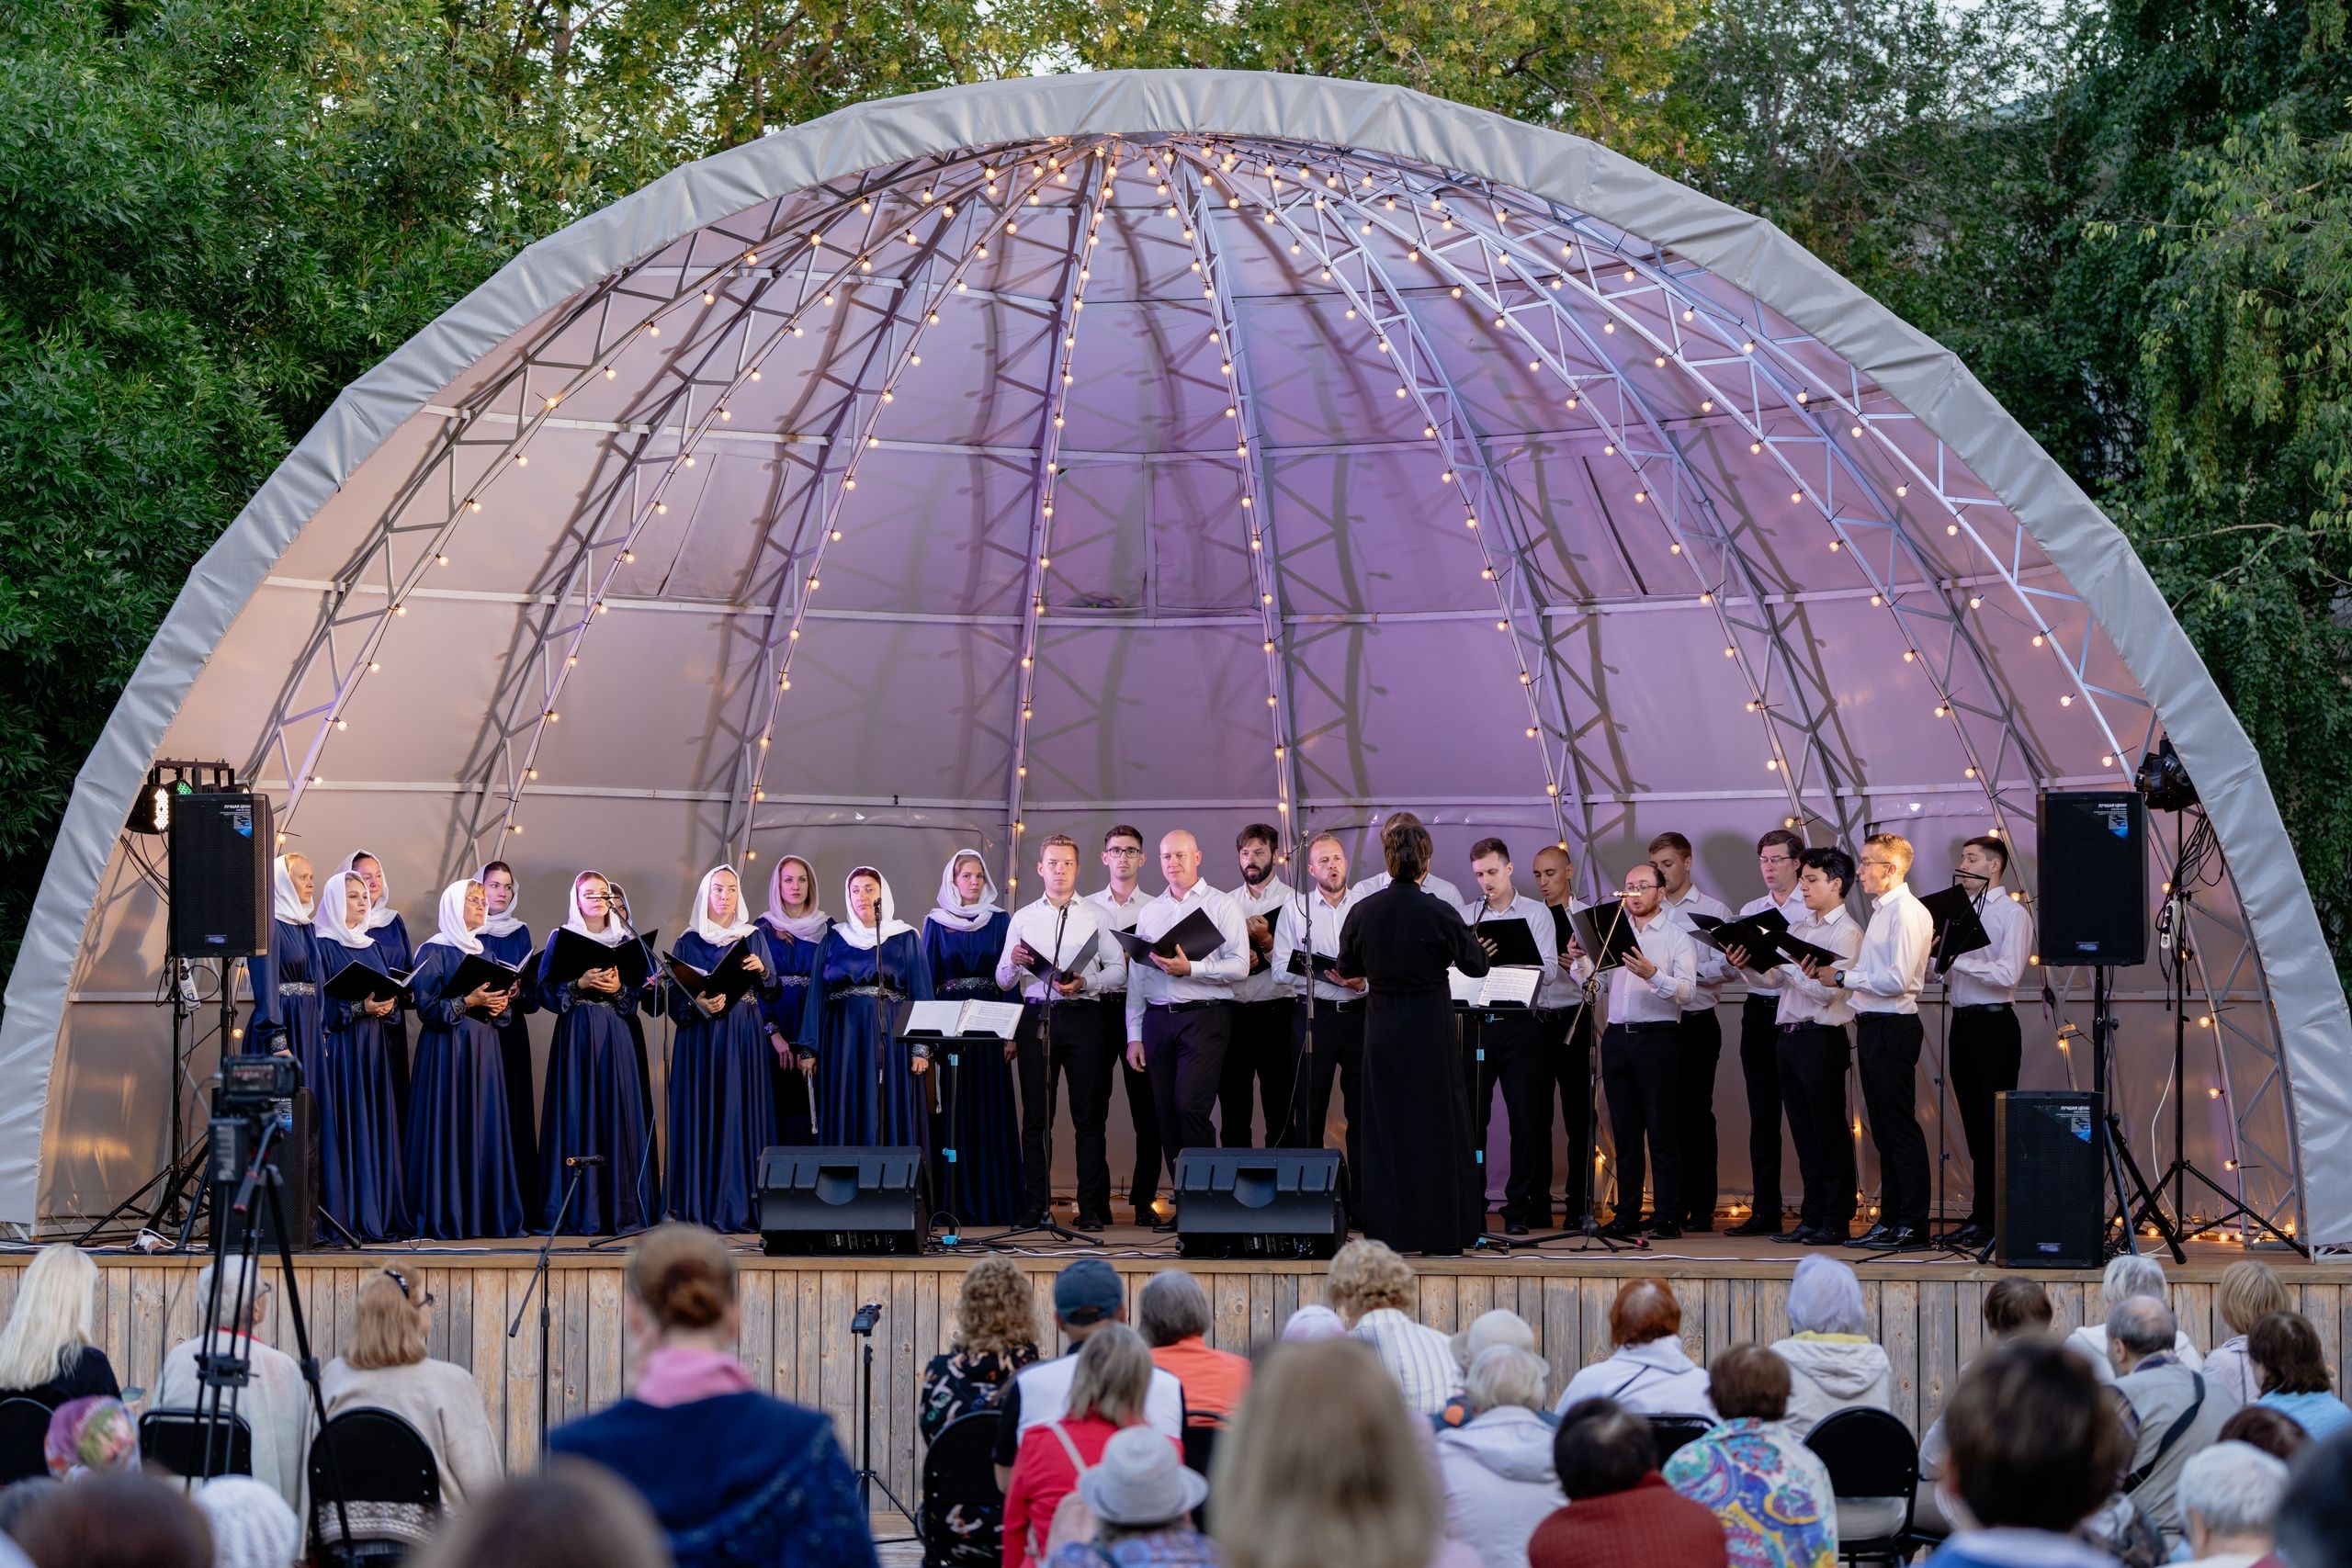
[867, 1317]
[254, 1100]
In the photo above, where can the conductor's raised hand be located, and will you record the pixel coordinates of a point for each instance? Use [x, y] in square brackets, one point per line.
[1487, 942]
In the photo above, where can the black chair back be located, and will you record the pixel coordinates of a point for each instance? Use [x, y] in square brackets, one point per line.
[1669, 1433]
[961, 1516]
[23, 1434]
[175, 1440]
[1870, 1454]
[391, 1485]
[1200, 1444]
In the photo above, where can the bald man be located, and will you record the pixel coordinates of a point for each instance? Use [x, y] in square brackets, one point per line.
[1180, 1013]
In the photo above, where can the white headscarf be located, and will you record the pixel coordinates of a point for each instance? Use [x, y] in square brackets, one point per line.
[290, 905]
[710, 930]
[614, 932]
[511, 922]
[952, 911]
[800, 928]
[865, 937]
[453, 931]
[380, 912]
[328, 920]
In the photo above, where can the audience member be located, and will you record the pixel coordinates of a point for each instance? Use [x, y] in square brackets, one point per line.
[1325, 1468]
[996, 1336]
[1142, 1498]
[1835, 1365]
[572, 1514]
[1770, 1492]
[2035, 1450]
[2229, 1504]
[2314, 1527]
[1088, 1298]
[1107, 1390]
[2128, 1276]
[1621, 1513]
[117, 1519]
[1371, 1289]
[386, 1368]
[275, 1402]
[251, 1524]
[1172, 1314]
[2249, 1292]
[90, 1434]
[18, 1498]
[1500, 1326]
[2172, 1412]
[1498, 1466]
[45, 1351]
[1649, 1372]
[734, 1475]
[2273, 1431]
[2014, 1305]
[2291, 1369]
[1312, 1322]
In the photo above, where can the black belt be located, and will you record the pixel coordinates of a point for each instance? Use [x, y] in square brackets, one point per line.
[1327, 1004]
[1812, 1024]
[1557, 1012]
[1649, 1026]
[1189, 1007]
[1986, 1007]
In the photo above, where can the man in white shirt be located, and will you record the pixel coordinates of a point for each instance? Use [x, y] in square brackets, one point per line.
[1180, 1013]
[1329, 1037]
[1430, 882]
[1260, 1055]
[1120, 904]
[1087, 1294]
[1777, 855]
[1505, 1050]
[1646, 994]
[1985, 1044]
[1052, 956]
[1568, 1046]
[1699, 1046]
[1882, 985]
[1810, 1019]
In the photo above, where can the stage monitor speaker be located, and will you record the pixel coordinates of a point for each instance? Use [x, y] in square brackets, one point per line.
[1259, 1203]
[2092, 904]
[221, 846]
[830, 1201]
[2047, 1208]
[298, 1157]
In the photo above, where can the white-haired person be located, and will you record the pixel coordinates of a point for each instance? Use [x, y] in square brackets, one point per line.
[2128, 1276]
[1499, 1326]
[1835, 1365]
[45, 1351]
[1499, 1484]
[2229, 1504]
[1648, 1371]
[250, 1524]
[275, 1401]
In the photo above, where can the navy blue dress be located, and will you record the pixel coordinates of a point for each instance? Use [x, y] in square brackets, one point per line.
[461, 1176]
[360, 1129]
[796, 959]
[514, 1058]
[861, 1098]
[595, 1105]
[391, 942]
[722, 1112]
[987, 1112]
[286, 998]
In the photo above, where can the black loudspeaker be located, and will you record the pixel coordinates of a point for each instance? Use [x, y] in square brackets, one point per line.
[847, 1199]
[2047, 1209]
[1259, 1203]
[297, 1155]
[221, 846]
[2092, 904]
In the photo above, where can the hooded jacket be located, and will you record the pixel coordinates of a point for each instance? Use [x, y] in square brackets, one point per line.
[1498, 1482]
[1657, 1377]
[1828, 1373]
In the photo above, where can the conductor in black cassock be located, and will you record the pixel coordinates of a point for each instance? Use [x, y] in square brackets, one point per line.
[1419, 1187]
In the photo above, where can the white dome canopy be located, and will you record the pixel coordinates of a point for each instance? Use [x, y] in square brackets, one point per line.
[1186, 448]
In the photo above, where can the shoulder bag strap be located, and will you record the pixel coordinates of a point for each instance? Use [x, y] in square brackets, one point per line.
[2173, 1434]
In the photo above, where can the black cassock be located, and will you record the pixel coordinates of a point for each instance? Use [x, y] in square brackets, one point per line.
[1419, 1189]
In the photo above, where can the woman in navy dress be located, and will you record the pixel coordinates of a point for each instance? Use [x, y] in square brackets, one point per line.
[506, 938]
[286, 983]
[870, 1086]
[390, 934]
[721, 1112]
[359, 1131]
[461, 1176]
[795, 931]
[595, 1104]
[962, 939]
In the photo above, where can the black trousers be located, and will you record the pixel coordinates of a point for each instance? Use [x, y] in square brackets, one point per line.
[1987, 1047]
[1698, 1046]
[1567, 1072]
[1337, 1058]
[1079, 1052]
[1888, 1044]
[1143, 1185]
[1813, 1059]
[1759, 1070]
[1184, 1050]
[1637, 1069]
[1515, 1062]
[1259, 1056]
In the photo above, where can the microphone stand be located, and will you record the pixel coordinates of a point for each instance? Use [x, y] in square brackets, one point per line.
[576, 1163]
[1589, 1230]
[1048, 1225]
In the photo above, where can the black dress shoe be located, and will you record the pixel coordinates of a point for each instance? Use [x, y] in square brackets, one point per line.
[1872, 1237]
[1088, 1222]
[1901, 1239]
[1514, 1227]
[1668, 1231]
[1701, 1227]
[1163, 1227]
[1825, 1239]
[1801, 1234]
[1968, 1235]
[1757, 1223]
[1621, 1230]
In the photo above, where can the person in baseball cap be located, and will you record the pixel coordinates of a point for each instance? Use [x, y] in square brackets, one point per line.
[1088, 1293]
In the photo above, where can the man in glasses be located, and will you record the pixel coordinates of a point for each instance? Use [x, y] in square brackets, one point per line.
[1122, 905]
[1777, 855]
[1647, 996]
[1884, 986]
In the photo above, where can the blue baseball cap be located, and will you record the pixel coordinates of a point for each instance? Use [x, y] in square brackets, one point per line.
[1088, 1292]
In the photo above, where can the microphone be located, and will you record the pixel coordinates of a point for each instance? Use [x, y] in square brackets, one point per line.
[574, 1161]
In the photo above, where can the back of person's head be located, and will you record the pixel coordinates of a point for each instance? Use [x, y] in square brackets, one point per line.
[92, 1433]
[2314, 1527]
[570, 1515]
[2128, 1275]
[2250, 1290]
[240, 1280]
[2284, 1351]
[1826, 1297]
[48, 1324]
[1748, 1381]
[1601, 1448]
[1644, 1310]
[117, 1518]
[2036, 1444]
[20, 1498]
[1314, 1321]
[1504, 1375]
[2016, 1305]
[2272, 1430]
[1324, 1466]
[1113, 1376]
[387, 1326]
[1498, 1326]
[252, 1525]
[2143, 1325]
[1405, 844]
[1087, 1293]
[1367, 1276]
[2232, 1489]
[683, 1277]
[996, 1312]
[1171, 1306]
